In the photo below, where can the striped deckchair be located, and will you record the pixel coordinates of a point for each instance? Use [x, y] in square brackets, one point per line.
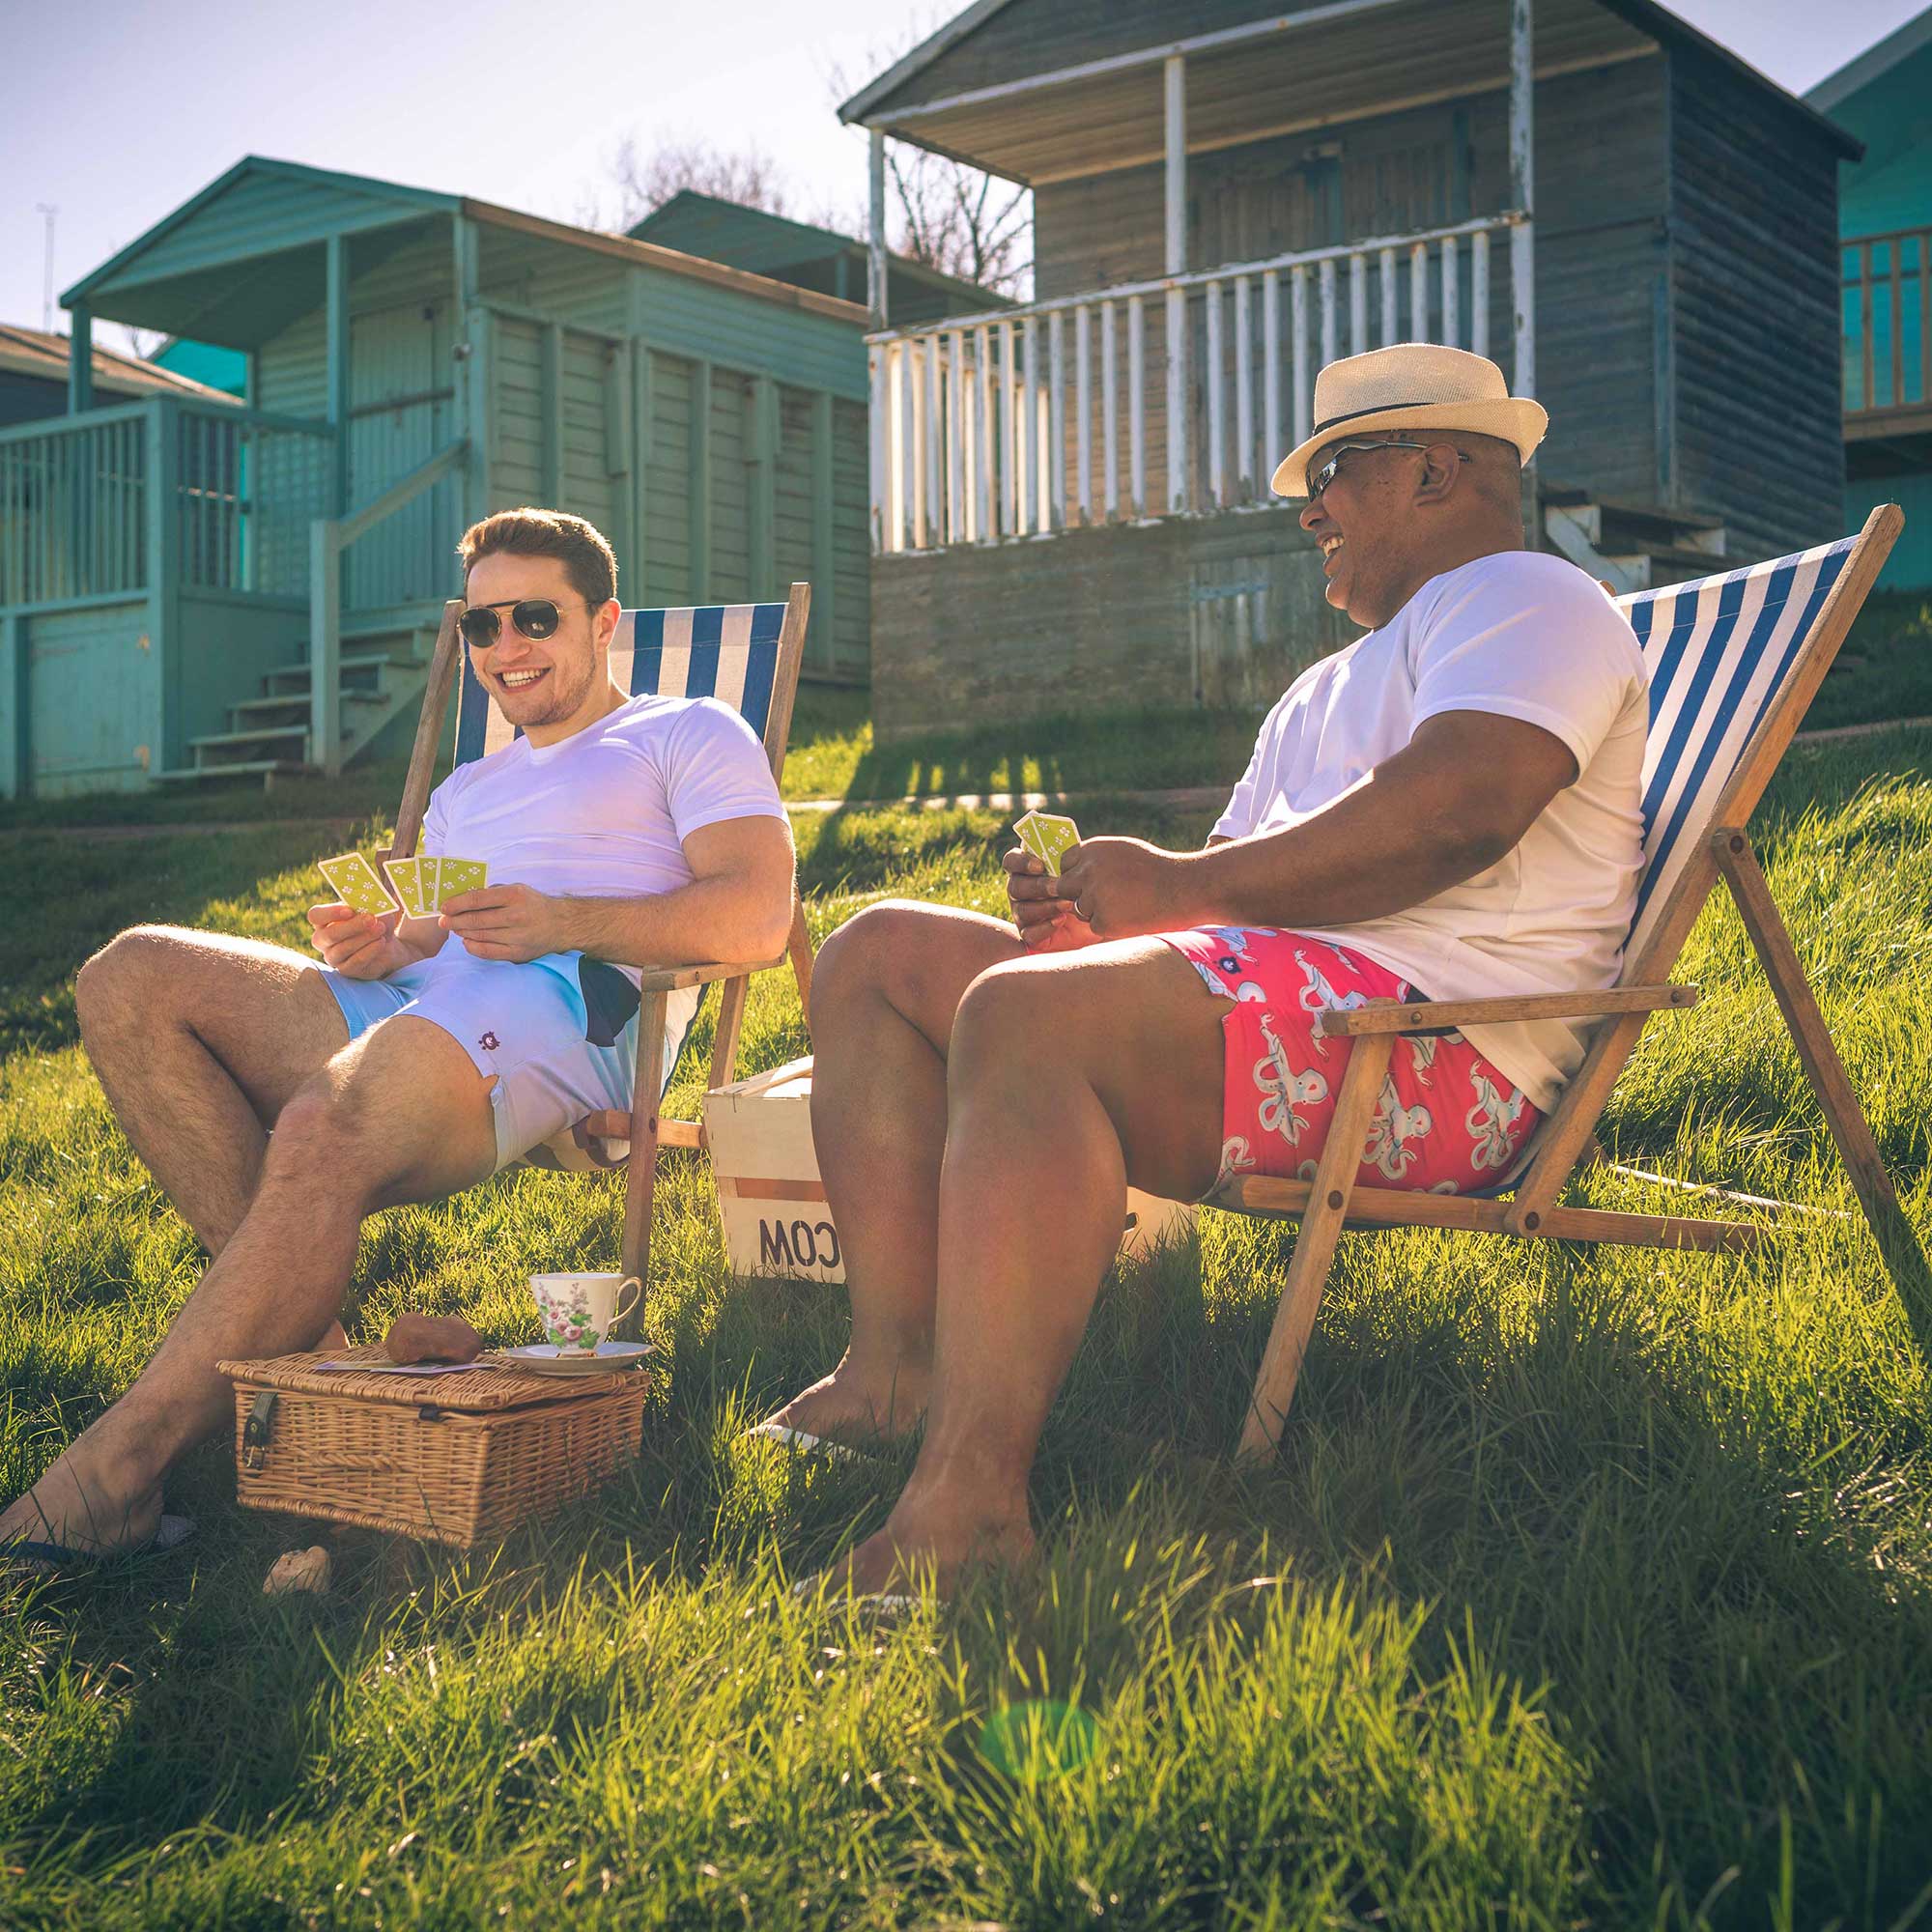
[1734, 663]
[748, 656]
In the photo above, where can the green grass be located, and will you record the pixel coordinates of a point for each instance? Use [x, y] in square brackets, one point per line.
[1591, 1589]
[833, 753]
[1885, 670]
[1885, 674]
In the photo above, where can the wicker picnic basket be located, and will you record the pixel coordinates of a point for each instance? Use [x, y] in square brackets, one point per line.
[461, 1459]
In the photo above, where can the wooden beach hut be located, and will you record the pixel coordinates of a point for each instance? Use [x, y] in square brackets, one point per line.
[1069, 501]
[804, 254]
[195, 587]
[34, 376]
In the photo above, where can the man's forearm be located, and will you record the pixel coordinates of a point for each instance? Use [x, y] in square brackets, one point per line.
[707, 919]
[1350, 863]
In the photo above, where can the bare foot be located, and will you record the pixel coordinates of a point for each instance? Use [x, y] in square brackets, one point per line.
[859, 1411]
[931, 1544]
[86, 1508]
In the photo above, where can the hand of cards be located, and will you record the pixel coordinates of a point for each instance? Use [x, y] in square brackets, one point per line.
[1047, 836]
[420, 885]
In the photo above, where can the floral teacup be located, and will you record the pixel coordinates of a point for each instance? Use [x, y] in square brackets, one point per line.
[577, 1310]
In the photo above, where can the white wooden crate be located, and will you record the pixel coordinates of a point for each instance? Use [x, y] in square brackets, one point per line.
[773, 1203]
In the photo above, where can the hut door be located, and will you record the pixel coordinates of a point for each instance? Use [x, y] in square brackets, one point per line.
[401, 409]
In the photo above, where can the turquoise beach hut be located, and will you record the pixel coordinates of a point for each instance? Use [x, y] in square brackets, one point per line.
[194, 587]
[1885, 217]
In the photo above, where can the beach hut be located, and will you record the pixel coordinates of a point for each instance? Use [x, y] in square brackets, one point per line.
[1069, 504]
[799, 252]
[1885, 98]
[34, 365]
[192, 586]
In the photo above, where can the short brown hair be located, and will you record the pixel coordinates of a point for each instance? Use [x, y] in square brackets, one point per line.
[575, 543]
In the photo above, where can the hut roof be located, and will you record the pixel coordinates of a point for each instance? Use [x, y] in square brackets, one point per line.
[1433, 44]
[771, 244]
[1877, 61]
[36, 352]
[239, 260]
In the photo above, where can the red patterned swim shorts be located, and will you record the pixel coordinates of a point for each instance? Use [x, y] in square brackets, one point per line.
[1448, 1121]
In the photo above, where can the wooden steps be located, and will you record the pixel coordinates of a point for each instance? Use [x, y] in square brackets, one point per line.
[269, 736]
[1630, 546]
[268, 769]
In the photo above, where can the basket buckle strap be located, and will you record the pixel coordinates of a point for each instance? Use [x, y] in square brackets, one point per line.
[258, 1428]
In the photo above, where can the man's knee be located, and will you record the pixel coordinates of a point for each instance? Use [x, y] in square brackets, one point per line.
[882, 949]
[1009, 1008]
[398, 1105]
[128, 976]
[327, 1142]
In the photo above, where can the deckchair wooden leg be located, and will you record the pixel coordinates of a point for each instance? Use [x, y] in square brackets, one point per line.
[641, 1175]
[437, 694]
[1904, 1257]
[1315, 1246]
[725, 1045]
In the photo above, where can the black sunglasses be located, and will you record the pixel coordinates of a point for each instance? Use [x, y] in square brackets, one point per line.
[535, 617]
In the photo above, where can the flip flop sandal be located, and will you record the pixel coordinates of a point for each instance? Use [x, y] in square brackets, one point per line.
[50, 1558]
[802, 1443]
[886, 1601]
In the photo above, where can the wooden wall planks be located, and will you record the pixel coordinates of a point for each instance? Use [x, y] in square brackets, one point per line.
[1216, 611]
[1754, 227]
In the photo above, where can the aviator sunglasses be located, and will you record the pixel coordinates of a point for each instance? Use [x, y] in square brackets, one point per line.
[1321, 478]
[533, 618]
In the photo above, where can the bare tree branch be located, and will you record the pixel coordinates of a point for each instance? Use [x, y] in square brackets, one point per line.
[640, 183]
[947, 216]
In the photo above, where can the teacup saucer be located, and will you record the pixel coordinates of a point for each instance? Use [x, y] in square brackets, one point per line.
[546, 1358]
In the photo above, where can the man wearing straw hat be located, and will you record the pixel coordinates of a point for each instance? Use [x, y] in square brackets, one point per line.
[1446, 808]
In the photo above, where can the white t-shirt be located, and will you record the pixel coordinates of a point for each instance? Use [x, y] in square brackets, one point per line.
[603, 813]
[1527, 636]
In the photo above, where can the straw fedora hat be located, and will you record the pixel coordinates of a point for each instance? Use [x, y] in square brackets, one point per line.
[1412, 386]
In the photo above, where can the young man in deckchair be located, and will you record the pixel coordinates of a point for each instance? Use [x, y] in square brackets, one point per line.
[1448, 807]
[278, 1102]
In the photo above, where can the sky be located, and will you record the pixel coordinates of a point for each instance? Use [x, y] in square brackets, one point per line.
[124, 110]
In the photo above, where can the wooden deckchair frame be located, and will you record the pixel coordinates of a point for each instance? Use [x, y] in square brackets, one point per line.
[646, 1131]
[1331, 1201]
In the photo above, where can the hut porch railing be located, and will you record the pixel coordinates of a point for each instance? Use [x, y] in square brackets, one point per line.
[223, 493]
[1030, 421]
[1887, 321]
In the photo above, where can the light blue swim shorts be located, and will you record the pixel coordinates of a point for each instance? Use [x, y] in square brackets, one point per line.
[559, 1032]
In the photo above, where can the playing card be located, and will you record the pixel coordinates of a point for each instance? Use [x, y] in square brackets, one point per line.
[459, 875]
[432, 871]
[406, 882]
[1047, 836]
[355, 883]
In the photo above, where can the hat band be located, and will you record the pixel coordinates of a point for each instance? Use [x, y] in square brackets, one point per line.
[1383, 409]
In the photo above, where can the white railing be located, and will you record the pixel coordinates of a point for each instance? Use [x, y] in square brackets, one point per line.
[988, 427]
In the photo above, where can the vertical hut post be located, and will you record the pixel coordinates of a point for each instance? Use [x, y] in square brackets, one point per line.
[875, 240]
[876, 420]
[472, 397]
[80, 360]
[324, 644]
[1522, 192]
[1175, 103]
[336, 331]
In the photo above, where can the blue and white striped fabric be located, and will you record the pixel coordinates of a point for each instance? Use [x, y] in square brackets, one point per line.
[728, 652]
[1717, 650]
